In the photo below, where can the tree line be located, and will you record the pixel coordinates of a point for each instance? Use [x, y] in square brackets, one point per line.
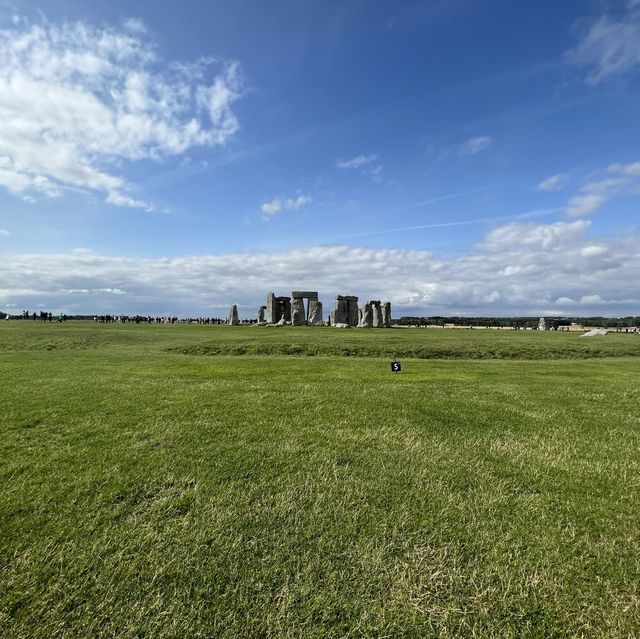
[520, 322]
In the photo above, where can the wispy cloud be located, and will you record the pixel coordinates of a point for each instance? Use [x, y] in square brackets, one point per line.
[77, 100]
[438, 225]
[596, 193]
[442, 198]
[4, 232]
[553, 183]
[475, 145]
[367, 164]
[279, 205]
[610, 46]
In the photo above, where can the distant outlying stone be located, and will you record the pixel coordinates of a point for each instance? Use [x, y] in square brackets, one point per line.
[233, 316]
[596, 332]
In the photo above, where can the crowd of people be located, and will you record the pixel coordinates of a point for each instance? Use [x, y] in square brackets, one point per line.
[43, 316]
[47, 316]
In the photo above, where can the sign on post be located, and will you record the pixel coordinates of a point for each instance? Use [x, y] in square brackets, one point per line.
[395, 366]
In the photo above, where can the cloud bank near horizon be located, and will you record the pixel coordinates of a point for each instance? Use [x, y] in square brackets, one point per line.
[518, 268]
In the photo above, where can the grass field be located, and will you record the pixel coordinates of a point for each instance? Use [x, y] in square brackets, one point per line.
[200, 481]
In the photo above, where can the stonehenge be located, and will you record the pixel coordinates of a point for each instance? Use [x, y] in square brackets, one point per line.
[304, 308]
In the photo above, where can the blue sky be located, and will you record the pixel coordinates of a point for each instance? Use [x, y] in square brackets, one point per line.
[452, 157]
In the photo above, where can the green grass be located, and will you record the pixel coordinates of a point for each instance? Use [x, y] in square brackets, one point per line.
[149, 490]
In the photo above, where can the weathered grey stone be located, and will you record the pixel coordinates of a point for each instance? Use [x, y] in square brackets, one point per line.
[260, 324]
[310, 295]
[261, 315]
[332, 317]
[367, 316]
[285, 308]
[386, 314]
[273, 308]
[281, 322]
[341, 325]
[298, 315]
[233, 316]
[352, 312]
[315, 313]
[341, 311]
[542, 325]
[377, 314]
[347, 298]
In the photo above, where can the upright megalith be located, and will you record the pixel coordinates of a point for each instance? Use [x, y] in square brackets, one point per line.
[341, 313]
[233, 316]
[366, 319]
[285, 307]
[261, 314]
[272, 309]
[278, 308]
[353, 314]
[376, 313]
[542, 324]
[386, 314]
[346, 311]
[298, 315]
[315, 313]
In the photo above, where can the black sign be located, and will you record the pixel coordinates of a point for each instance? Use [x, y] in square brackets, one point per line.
[395, 367]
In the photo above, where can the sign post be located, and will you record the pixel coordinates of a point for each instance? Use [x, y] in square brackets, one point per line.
[395, 366]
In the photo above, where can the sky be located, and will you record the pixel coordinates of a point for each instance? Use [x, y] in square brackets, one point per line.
[455, 157]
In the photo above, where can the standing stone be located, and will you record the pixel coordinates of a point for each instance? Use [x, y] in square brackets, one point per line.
[233, 316]
[376, 314]
[298, 317]
[285, 305]
[273, 314]
[332, 317]
[542, 325]
[386, 314]
[353, 312]
[367, 316]
[261, 311]
[341, 311]
[315, 313]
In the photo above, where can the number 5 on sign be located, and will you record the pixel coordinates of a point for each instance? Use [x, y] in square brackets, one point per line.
[395, 367]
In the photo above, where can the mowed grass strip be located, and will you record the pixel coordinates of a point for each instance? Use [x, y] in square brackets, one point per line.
[149, 493]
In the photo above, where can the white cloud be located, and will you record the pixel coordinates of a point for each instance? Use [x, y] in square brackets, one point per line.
[368, 165]
[280, 205]
[595, 194]
[610, 47]
[519, 268]
[586, 204]
[632, 169]
[553, 183]
[357, 162]
[4, 232]
[76, 100]
[475, 145]
[592, 299]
